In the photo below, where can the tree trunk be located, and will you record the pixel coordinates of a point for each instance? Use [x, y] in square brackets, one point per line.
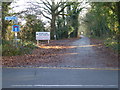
[53, 27]
[5, 10]
[118, 11]
[118, 15]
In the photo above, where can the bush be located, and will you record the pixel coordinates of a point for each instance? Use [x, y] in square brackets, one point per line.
[112, 43]
[9, 48]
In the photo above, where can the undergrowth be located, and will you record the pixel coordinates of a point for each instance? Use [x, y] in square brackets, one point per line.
[9, 48]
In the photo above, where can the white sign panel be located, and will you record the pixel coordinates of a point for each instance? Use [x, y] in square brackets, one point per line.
[42, 35]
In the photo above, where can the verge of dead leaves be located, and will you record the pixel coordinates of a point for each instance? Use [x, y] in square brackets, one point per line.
[45, 54]
[106, 51]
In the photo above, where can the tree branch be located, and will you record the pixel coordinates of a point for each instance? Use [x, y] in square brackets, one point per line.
[59, 5]
[46, 11]
[21, 12]
[46, 4]
[64, 14]
[63, 8]
[45, 15]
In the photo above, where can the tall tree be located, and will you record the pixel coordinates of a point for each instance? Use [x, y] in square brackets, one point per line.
[102, 19]
[54, 9]
[5, 9]
[32, 26]
[73, 16]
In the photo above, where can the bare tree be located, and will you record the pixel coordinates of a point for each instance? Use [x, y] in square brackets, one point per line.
[51, 8]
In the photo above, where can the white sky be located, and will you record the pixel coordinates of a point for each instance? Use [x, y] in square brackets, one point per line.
[22, 5]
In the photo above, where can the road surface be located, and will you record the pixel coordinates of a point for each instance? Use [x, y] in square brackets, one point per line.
[59, 78]
[81, 67]
[83, 54]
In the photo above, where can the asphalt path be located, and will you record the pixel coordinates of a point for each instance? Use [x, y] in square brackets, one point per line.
[83, 54]
[46, 77]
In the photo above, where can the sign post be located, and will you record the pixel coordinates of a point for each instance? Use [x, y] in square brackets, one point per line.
[55, 37]
[16, 38]
[15, 28]
[37, 42]
[48, 41]
[42, 36]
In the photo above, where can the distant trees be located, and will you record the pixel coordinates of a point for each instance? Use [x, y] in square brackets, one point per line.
[118, 10]
[69, 22]
[31, 26]
[63, 17]
[58, 16]
[118, 35]
[27, 31]
[54, 10]
[102, 19]
[73, 18]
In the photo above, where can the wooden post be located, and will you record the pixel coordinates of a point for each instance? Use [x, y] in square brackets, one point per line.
[16, 39]
[48, 41]
[38, 42]
[16, 22]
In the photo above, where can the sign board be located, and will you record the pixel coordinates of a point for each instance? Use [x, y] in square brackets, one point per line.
[42, 35]
[15, 28]
[10, 18]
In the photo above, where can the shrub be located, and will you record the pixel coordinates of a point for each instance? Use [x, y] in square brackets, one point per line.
[112, 43]
[9, 48]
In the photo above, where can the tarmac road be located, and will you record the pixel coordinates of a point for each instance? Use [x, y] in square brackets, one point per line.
[46, 77]
[83, 54]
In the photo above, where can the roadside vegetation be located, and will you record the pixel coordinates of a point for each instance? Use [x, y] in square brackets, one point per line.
[102, 21]
[10, 49]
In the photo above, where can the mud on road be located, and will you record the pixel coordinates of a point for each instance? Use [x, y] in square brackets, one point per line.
[80, 52]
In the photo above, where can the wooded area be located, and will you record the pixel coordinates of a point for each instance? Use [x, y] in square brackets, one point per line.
[101, 21]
